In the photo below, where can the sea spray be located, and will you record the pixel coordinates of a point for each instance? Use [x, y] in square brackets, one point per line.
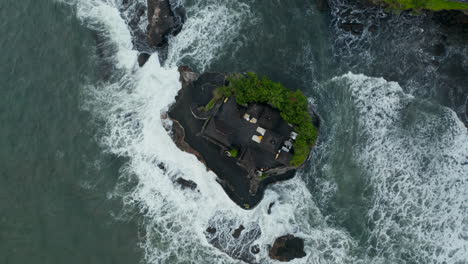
[415, 155]
[211, 26]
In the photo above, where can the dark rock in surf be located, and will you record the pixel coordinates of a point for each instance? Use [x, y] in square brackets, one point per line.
[143, 58]
[211, 230]
[466, 110]
[162, 22]
[162, 167]
[269, 207]
[255, 249]
[354, 28]
[287, 247]
[186, 183]
[238, 231]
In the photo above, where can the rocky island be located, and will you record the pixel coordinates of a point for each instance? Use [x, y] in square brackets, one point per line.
[249, 130]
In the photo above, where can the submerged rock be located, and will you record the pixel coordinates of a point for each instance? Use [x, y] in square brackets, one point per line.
[186, 183]
[255, 249]
[354, 28]
[211, 230]
[287, 247]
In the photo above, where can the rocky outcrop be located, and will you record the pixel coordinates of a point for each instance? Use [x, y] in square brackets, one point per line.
[354, 28]
[238, 231]
[197, 90]
[162, 22]
[186, 183]
[287, 247]
[143, 58]
[163, 18]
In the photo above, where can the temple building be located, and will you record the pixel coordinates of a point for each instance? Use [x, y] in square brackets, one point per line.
[262, 140]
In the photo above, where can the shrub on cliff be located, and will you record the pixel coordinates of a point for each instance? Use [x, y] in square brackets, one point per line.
[293, 106]
[434, 5]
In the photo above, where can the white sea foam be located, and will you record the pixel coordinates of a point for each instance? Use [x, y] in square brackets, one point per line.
[211, 25]
[416, 158]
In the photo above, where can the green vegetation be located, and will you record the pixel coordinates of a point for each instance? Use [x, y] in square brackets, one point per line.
[263, 176]
[293, 106]
[210, 104]
[217, 95]
[434, 5]
[234, 152]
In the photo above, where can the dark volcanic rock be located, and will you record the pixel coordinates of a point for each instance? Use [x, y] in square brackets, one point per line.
[162, 21]
[211, 230]
[255, 249]
[238, 231]
[287, 248]
[186, 183]
[466, 110]
[354, 28]
[143, 58]
[269, 207]
[198, 88]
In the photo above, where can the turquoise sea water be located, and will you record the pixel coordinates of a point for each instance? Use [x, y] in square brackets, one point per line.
[54, 180]
[87, 168]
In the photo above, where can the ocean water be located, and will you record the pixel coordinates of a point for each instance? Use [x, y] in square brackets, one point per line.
[88, 168]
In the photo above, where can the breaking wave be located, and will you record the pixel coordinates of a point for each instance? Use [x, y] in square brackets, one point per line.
[415, 155]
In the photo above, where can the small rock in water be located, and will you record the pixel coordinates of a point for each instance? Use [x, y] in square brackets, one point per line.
[238, 231]
[269, 207]
[287, 247]
[162, 167]
[186, 183]
[211, 230]
[354, 28]
[143, 58]
[255, 249]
